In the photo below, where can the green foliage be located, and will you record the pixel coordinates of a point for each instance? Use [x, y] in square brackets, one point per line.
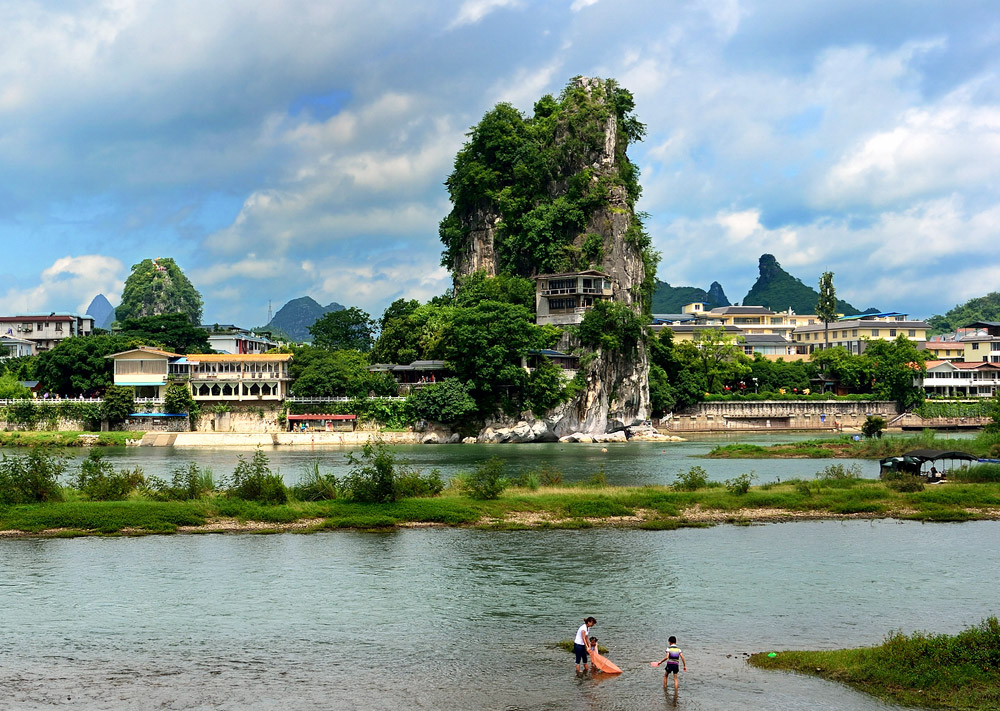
[32, 478]
[478, 287]
[778, 290]
[446, 402]
[611, 326]
[693, 479]
[873, 426]
[488, 480]
[254, 481]
[740, 485]
[838, 472]
[78, 366]
[394, 414]
[322, 373]
[545, 388]
[158, 287]
[371, 479]
[536, 174]
[413, 484]
[826, 305]
[716, 356]
[348, 329]
[983, 308]
[316, 486]
[118, 403]
[956, 408]
[21, 367]
[178, 399]
[978, 473]
[894, 366]
[172, 331]
[11, 388]
[187, 483]
[675, 381]
[98, 480]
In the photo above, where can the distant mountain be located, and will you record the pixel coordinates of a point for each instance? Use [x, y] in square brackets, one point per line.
[102, 311]
[983, 308]
[672, 299]
[295, 317]
[778, 290]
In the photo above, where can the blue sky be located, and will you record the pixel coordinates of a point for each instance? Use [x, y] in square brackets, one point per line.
[279, 149]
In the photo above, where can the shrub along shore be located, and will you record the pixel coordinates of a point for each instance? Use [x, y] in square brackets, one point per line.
[51, 438]
[930, 671]
[38, 496]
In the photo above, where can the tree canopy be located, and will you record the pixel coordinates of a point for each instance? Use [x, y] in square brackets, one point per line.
[77, 366]
[158, 286]
[983, 308]
[347, 329]
[174, 332]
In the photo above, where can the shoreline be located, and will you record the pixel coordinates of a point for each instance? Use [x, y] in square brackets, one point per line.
[693, 517]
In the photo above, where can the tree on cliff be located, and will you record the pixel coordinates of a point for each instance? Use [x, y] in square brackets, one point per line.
[158, 286]
[173, 332]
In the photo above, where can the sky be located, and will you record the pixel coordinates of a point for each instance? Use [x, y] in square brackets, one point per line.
[278, 149]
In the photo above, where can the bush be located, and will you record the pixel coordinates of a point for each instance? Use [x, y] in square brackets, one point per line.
[99, 481]
[411, 484]
[980, 473]
[836, 472]
[186, 483]
[118, 403]
[873, 427]
[741, 484]
[32, 478]
[487, 480]
[372, 476]
[906, 483]
[254, 481]
[693, 479]
[316, 486]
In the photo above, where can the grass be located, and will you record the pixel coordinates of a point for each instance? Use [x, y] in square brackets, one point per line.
[66, 439]
[984, 445]
[937, 671]
[552, 507]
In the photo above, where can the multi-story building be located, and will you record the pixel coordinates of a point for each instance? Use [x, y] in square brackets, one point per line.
[11, 347]
[854, 332]
[564, 299]
[46, 331]
[212, 377]
[981, 343]
[950, 379]
[945, 350]
[232, 339]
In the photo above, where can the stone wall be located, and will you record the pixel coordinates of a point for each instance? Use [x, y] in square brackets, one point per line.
[778, 414]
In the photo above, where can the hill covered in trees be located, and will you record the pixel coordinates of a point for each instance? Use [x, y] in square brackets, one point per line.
[156, 287]
[983, 308]
[669, 299]
[296, 317]
[778, 290]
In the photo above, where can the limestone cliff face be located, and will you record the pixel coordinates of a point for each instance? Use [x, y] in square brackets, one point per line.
[617, 389]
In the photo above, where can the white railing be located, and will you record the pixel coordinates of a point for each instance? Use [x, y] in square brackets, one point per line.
[5, 401]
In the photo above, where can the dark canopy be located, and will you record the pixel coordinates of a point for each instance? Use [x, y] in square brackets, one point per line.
[932, 455]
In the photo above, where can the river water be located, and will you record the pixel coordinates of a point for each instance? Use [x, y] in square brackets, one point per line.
[633, 463]
[464, 619]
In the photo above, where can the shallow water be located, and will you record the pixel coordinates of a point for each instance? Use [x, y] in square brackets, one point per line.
[464, 619]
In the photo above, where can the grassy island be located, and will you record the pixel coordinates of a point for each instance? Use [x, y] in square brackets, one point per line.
[936, 671]
[30, 438]
[984, 445]
[690, 502]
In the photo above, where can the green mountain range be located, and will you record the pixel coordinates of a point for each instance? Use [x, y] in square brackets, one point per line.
[672, 299]
[983, 308]
[778, 290]
[295, 317]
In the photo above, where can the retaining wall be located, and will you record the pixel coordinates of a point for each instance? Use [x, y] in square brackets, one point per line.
[777, 414]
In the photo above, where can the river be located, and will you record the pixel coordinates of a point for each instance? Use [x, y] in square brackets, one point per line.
[465, 619]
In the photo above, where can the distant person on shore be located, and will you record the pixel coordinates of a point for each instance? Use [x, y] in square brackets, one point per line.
[674, 659]
[581, 643]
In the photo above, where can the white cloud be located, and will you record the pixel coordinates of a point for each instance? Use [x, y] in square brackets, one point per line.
[68, 285]
[578, 5]
[472, 11]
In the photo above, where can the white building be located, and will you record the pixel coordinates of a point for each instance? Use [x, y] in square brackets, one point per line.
[46, 331]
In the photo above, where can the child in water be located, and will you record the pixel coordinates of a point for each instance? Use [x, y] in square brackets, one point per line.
[673, 659]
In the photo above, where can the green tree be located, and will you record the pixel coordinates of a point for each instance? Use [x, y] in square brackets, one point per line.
[611, 326]
[372, 477]
[322, 373]
[546, 387]
[118, 403]
[826, 305]
[894, 365]
[21, 367]
[484, 345]
[851, 371]
[447, 402]
[675, 379]
[158, 286]
[349, 329]
[178, 400]
[174, 332]
[79, 366]
[11, 388]
[718, 356]
[478, 287]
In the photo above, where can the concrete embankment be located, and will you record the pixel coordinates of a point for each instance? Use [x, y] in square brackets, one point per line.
[266, 439]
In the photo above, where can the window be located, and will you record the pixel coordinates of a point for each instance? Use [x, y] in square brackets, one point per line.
[854, 333]
[975, 346]
[874, 332]
[912, 333]
[892, 333]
